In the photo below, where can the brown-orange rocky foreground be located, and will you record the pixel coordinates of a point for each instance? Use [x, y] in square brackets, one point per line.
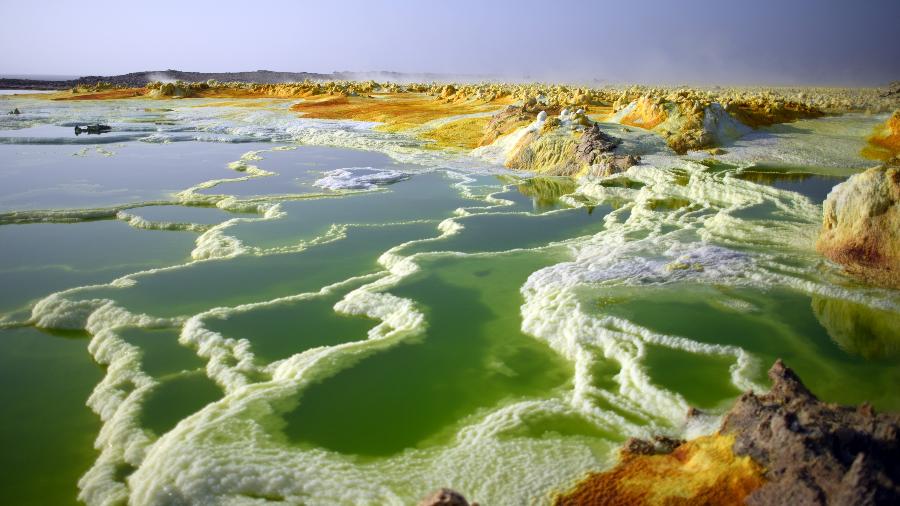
[784, 447]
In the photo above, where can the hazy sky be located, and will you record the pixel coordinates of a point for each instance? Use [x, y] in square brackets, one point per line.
[747, 41]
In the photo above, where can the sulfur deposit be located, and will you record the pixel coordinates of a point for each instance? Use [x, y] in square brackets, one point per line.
[861, 225]
[884, 143]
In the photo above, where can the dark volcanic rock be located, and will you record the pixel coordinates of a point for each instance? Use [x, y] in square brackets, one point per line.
[596, 150]
[139, 79]
[661, 445]
[594, 143]
[34, 84]
[816, 453]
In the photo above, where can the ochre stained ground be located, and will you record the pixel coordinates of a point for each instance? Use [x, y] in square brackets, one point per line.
[100, 95]
[701, 471]
[463, 133]
[398, 112]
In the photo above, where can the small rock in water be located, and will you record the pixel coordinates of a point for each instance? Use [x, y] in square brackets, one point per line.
[445, 497]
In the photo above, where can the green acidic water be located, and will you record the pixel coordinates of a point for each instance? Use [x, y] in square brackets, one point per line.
[39, 259]
[47, 431]
[279, 331]
[472, 355]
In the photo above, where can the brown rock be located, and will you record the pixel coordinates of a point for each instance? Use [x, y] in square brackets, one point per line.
[593, 143]
[610, 164]
[444, 497]
[813, 452]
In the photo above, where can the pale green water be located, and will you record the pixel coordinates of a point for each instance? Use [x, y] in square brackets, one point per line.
[265, 339]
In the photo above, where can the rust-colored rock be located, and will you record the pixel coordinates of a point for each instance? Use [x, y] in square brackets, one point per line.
[514, 117]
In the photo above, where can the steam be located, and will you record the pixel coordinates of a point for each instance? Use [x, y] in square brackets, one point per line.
[161, 77]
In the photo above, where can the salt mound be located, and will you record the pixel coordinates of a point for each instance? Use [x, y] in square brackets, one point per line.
[359, 178]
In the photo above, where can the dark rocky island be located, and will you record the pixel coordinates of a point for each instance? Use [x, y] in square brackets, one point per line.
[142, 78]
[139, 79]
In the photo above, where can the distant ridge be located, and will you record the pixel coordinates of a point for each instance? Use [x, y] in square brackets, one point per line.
[138, 79]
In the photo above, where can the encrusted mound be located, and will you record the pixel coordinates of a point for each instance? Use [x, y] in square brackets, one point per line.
[782, 447]
[566, 145]
[861, 225]
[691, 119]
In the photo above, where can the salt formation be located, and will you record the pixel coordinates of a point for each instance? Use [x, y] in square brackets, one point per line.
[358, 178]
[569, 144]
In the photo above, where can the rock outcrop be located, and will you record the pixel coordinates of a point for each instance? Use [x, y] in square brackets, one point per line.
[684, 121]
[783, 447]
[861, 225]
[814, 452]
[594, 143]
[893, 90]
[175, 89]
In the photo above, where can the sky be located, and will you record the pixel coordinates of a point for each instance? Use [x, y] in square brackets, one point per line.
[826, 42]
